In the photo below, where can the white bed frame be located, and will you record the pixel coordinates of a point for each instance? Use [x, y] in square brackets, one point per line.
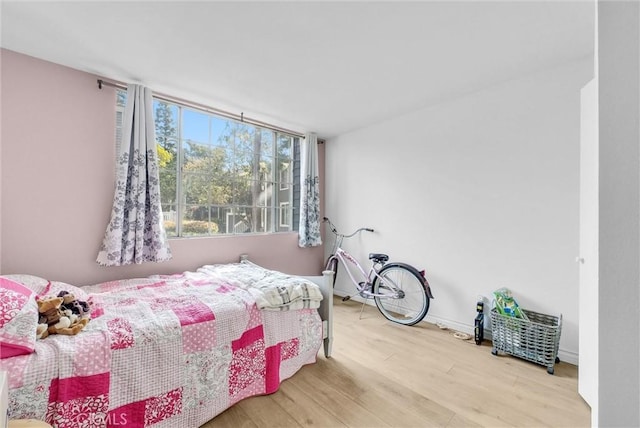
[325, 282]
[4, 399]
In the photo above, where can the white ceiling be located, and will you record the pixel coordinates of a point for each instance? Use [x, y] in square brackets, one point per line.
[325, 67]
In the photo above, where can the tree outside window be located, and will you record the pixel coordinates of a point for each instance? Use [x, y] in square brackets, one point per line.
[219, 176]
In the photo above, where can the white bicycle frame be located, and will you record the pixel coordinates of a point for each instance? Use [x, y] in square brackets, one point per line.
[364, 287]
[386, 288]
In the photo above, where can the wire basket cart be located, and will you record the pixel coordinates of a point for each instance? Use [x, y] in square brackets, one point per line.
[535, 339]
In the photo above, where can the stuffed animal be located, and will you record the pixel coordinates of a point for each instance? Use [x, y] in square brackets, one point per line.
[69, 324]
[42, 331]
[49, 310]
[78, 307]
[58, 317]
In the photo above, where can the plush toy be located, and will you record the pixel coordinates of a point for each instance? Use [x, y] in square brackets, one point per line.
[42, 331]
[58, 317]
[77, 307]
[49, 310]
[69, 324]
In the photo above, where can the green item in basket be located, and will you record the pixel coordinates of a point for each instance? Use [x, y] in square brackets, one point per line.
[507, 305]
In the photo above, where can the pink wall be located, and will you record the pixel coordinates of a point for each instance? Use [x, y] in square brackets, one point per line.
[57, 176]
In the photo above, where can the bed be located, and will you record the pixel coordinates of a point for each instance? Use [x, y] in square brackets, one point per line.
[168, 350]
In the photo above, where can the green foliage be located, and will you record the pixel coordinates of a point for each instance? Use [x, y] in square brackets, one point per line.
[207, 180]
[236, 169]
[170, 227]
[164, 157]
[166, 136]
[198, 227]
[191, 227]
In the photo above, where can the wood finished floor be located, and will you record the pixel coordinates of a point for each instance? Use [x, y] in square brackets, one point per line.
[383, 374]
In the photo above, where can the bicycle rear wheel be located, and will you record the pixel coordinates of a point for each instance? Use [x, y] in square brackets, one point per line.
[405, 298]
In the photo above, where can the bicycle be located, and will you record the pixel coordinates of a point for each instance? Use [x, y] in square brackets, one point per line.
[401, 292]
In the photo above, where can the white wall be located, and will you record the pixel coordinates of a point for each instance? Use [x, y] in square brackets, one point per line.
[482, 191]
[619, 245]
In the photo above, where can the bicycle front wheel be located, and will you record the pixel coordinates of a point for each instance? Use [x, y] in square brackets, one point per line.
[402, 296]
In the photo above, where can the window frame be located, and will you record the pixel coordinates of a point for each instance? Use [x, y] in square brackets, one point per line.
[271, 215]
[285, 207]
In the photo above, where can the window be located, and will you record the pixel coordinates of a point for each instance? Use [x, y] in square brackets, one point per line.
[284, 176]
[285, 215]
[219, 176]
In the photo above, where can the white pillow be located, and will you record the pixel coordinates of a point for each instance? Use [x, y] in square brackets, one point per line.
[33, 283]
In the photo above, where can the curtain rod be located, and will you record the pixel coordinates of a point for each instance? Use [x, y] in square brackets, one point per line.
[240, 118]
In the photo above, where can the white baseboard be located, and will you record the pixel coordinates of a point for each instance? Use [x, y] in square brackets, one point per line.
[566, 356]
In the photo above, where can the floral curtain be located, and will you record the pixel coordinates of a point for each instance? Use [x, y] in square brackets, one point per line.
[135, 233]
[309, 230]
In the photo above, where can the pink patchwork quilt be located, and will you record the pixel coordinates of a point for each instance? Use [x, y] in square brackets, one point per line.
[170, 351]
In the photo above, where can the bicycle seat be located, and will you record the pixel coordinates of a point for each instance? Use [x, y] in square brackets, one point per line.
[378, 257]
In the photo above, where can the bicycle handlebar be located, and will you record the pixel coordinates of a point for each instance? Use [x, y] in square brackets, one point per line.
[335, 231]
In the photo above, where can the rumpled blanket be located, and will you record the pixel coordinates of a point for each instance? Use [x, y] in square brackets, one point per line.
[163, 351]
[272, 290]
